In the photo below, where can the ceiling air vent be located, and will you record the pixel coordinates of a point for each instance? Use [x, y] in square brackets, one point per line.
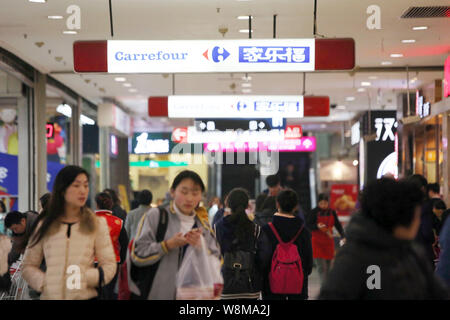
[427, 12]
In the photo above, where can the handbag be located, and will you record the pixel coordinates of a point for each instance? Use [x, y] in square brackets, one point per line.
[101, 294]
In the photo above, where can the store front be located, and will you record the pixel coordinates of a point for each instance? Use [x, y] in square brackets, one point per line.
[38, 129]
[155, 160]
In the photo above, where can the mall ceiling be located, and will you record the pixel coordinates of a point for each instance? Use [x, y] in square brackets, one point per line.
[26, 31]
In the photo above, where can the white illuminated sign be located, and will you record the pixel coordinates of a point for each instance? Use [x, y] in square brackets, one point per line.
[388, 166]
[144, 146]
[356, 134]
[238, 136]
[235, 106]
[386, 124]
[185, 56]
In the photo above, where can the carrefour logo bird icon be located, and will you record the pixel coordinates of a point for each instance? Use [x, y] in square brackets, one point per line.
[217, 54]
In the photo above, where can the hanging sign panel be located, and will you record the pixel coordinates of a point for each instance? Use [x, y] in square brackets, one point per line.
[239, 107]
[235, 106]
[304, 144]
[202, 56]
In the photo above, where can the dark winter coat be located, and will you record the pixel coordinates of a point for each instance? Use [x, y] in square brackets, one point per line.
[264, 217]
[425, 236]
[228, 241]
[403, 269]
[19, 240]
[287, 228]
[119, 212]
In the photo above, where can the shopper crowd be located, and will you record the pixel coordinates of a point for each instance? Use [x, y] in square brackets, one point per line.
[396, 245]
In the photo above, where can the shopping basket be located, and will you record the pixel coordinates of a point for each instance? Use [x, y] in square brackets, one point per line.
[19, 288]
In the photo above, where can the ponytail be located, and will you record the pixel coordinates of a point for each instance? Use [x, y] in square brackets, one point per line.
[238, 202]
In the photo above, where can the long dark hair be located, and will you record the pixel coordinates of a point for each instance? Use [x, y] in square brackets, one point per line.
[237, 201]
[56, 205]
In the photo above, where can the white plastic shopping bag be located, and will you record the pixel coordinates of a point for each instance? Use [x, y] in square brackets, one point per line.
[199, 277]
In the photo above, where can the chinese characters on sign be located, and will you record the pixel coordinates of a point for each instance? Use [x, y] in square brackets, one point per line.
[274, 54]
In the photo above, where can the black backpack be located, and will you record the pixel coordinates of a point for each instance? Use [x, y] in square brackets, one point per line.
[239, 271]
[143, 276]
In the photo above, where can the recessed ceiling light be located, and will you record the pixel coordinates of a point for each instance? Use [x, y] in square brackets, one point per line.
[361, 90]
[246, 85]
[132, 90]
[127, 85]
[244, 17]
[246, 90]
[244, 31]
[373, 77]
[366, 84]
[396, 55]
[55, 17]
[420, 28]
[38, 1]
[69, 32]
[120, 79]
[247, 78]
[350, 99]
[386, 63]
[409, 41]
[341, 107]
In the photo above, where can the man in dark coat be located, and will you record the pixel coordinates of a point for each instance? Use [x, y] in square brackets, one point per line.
[21, 224]
[380, 259]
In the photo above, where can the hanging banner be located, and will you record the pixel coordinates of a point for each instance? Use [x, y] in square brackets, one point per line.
[205, 107]
[305, 144]
[201, 56]
[236, 106]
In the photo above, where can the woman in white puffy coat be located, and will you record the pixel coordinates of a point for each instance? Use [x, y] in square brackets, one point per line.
[70, 237]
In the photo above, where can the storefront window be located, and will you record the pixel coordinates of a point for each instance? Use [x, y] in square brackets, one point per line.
[10, 95]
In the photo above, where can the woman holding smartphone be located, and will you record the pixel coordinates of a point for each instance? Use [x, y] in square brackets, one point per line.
[186, 222]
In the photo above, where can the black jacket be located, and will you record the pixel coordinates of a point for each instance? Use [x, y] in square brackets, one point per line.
[264, 217]
[425, 236]
[287, 228]
[311, 220]
[225, 236]
[403, 269]
[119, 212]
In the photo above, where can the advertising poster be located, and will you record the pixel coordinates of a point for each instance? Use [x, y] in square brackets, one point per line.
[9, 177]
[343, 198]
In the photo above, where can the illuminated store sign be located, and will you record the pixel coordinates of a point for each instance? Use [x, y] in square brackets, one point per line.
[356, 134]
[254, 107]
[239, 136]
[211, 56]
[305, 144]
[243, 124]
[422, 109]
[189, 56]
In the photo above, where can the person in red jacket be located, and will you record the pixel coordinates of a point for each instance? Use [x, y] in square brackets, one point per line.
[118, 235]
[320, 222]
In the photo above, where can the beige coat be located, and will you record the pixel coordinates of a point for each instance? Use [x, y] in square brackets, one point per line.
[5, 248]
[70, 271]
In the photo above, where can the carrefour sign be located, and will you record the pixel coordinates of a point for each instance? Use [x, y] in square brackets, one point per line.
[274, 55]
[236, 106]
